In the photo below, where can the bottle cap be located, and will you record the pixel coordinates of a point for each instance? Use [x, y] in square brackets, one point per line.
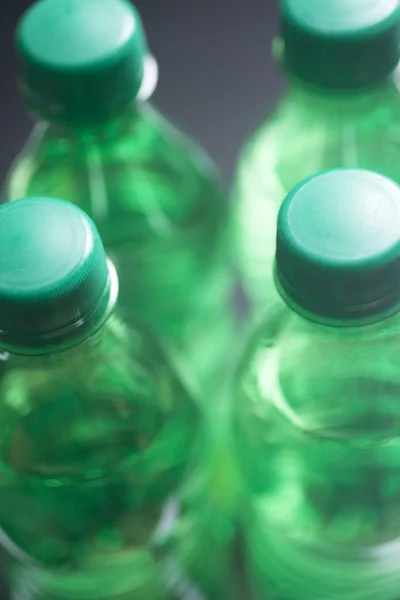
[341, 43]
[338, 246]
[55, 281]
[81, 60]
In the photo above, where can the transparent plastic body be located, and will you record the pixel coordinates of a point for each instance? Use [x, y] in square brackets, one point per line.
[201, 552]
[310, 131]
[95, 445]
[157, 203]
[317, 430]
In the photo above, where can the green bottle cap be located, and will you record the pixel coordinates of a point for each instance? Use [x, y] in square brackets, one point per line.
[338, 246]
[81, 60]
[341, 43]
[55, 280]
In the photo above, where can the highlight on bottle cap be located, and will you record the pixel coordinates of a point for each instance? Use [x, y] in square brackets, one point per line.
[80, 60]
[341, 44]
[338, 246]
[55, 280]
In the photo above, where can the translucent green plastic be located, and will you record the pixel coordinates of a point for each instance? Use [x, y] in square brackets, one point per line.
[95, 445]
[201, 552]
[310, 131]
[156, 201]
[317, 421]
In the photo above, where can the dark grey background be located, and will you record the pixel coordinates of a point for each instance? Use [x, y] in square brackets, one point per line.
[217, 77]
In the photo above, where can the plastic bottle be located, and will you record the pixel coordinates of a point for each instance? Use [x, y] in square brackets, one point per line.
[316, 401]
[153, 194]
[341, 110]
[97, 432]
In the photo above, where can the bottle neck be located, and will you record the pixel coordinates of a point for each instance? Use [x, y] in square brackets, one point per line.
[323, 100]
[100, 131]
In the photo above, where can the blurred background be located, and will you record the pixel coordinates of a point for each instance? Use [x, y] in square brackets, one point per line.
[217, 77]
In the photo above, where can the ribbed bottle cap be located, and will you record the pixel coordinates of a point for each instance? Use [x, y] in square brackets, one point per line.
[338, 246]
[54, 275]
[341, 43]
[80, 60]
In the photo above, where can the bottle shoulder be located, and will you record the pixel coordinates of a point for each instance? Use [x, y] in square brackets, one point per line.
[139, 165]
[120, 375]
[113, 398]
[314, 378]
[301, 138]
[140, 130]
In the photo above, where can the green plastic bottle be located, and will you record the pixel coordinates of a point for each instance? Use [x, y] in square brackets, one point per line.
[316, 401]
[97, 432]
[153, 194]
[341, 110]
